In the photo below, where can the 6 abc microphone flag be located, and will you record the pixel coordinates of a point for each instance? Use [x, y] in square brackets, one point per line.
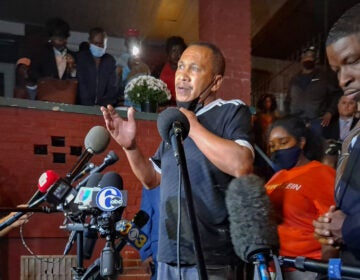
[98, 198]
[95, 206]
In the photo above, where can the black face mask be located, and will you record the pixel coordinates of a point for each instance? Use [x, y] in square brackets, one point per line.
[309, 64]
[192, 105]
[286, 158]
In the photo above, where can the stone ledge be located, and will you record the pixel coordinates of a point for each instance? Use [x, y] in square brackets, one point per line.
[70, 108]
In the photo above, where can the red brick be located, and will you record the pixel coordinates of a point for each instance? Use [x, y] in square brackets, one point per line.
[20, 170]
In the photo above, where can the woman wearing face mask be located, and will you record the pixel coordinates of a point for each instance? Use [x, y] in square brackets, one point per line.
[300, 191]
[96, 72]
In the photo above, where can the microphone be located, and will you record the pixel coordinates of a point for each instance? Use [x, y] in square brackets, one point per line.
[172, 122]
[111, 196]
[109, 190]
[96, 141]
[88, 167]
[62, 192]
[46, 180]
[131, 231]
[109, 159]
[253, 228]
[110, 200]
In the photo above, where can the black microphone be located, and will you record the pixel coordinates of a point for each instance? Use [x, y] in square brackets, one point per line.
[131, 231]
[46, 182]
[112, 198]
[109, 159]
[253, 227]
[171, 122]
[62, 193]
[111, 201]
[96, 141]
[88, 167]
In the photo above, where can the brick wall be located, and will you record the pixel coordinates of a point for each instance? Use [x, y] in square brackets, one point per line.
[227, 24]
[22, 129]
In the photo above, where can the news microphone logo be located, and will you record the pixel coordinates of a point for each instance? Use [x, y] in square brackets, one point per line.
[85, 196]
[109, 199]
[137, 237]
[132, 233]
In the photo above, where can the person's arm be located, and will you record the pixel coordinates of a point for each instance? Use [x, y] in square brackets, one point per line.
[22, 220]
[225, 154]
[326, 118]
[124, 132]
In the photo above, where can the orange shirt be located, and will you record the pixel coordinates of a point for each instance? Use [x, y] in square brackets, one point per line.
[299, 196]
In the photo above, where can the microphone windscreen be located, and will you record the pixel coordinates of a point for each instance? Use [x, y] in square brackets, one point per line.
[94, 180]
[46, 180]
[97, 139]
[141, 218]
[165, 121]
[253, 227]
[111, 179]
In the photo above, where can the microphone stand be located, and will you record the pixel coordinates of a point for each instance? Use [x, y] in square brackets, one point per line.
[79, 270]
[261, 269]
[176, 142]
[334, 268]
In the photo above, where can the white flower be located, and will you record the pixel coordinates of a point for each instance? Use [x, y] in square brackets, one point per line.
[145, 87]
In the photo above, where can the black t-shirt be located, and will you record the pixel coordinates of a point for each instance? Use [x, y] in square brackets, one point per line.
[229, 120]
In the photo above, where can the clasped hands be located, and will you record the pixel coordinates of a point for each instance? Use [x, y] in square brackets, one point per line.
[328, 227]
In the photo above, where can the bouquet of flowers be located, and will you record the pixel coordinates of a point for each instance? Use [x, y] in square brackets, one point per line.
[147, 88]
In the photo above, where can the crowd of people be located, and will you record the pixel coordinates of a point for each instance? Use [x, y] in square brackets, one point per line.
[92, 75]
[317, 207]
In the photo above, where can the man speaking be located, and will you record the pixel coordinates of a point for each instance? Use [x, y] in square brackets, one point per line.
[217, 149]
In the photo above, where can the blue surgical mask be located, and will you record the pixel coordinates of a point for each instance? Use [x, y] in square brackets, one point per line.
[286, 158]
[97, 51]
